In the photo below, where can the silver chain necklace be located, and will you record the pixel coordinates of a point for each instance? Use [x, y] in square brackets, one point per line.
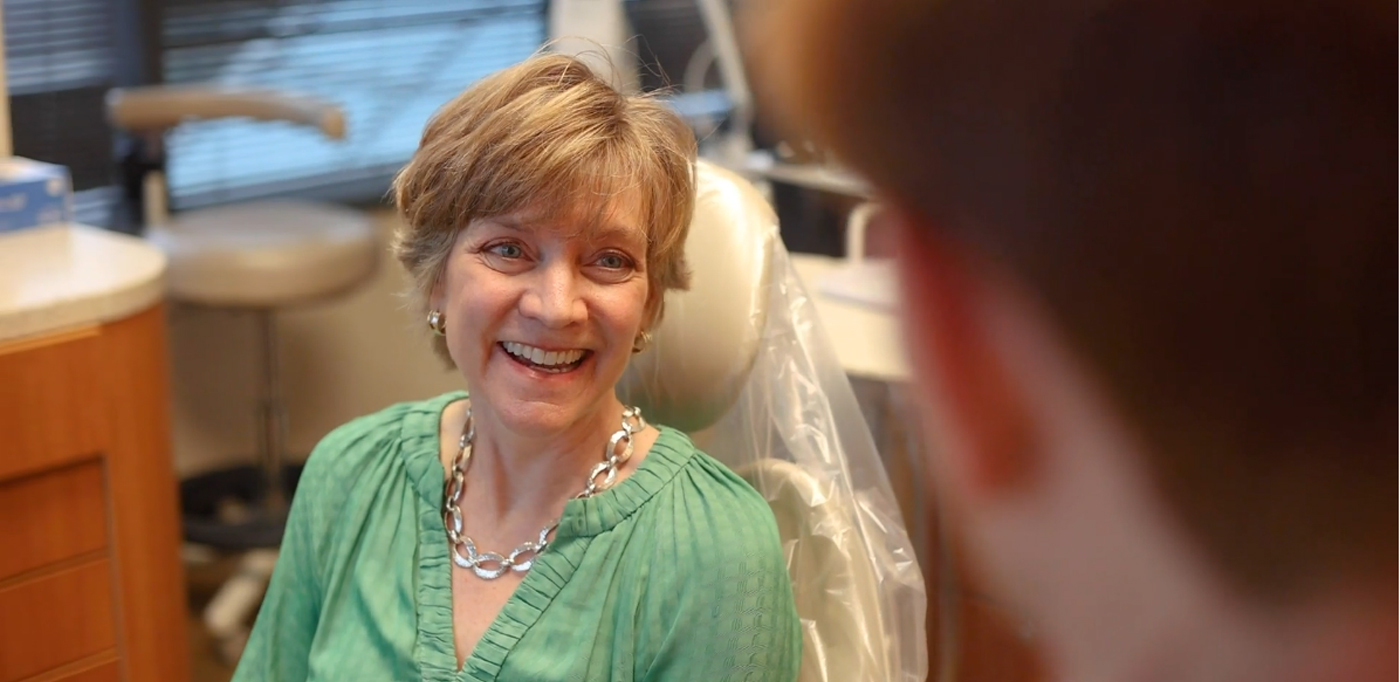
[492, 565]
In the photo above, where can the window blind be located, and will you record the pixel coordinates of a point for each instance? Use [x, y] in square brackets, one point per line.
[60, 60]
[388, 63]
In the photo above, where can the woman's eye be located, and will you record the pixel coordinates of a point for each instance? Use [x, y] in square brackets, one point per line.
[613, 261]
[508, 251]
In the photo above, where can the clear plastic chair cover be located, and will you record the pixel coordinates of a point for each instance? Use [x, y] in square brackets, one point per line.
[790, 424]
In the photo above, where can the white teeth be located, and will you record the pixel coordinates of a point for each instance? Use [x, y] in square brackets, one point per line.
[542, 357]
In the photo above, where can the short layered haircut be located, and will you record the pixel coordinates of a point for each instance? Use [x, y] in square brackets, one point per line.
[550, 136]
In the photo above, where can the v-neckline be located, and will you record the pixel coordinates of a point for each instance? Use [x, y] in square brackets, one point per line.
[435, 575]
[499, 633]
[435, 650]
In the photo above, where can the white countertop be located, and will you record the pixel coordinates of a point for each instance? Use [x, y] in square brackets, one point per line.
[866, 339]
[62, 276]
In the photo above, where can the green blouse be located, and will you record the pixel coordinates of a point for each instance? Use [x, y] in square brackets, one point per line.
[676, 573]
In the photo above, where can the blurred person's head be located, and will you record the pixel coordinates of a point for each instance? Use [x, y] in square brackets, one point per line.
[1147, 252]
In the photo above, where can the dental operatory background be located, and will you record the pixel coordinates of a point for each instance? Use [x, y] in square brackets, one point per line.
[253, 114]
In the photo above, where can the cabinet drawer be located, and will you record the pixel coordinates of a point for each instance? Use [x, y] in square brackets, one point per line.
[107, 671]
[51, 401]
[52, 516]
[55, 619]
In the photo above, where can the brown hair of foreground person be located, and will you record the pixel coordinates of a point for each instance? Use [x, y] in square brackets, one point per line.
[1201, 194]
[1189, 208]
[1147, 257]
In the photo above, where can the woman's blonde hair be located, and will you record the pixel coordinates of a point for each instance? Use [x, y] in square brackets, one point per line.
[547, 134]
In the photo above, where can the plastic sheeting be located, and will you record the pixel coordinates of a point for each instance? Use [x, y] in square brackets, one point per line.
[796, 432]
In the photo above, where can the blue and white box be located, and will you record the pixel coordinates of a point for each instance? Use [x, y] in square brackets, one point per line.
[33, 193]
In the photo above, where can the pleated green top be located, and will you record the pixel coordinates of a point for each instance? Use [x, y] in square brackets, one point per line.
[676, 573]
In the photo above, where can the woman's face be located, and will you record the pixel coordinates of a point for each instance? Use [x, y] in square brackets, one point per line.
[541, 313]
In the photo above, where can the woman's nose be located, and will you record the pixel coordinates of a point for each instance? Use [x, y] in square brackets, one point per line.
[553, 299]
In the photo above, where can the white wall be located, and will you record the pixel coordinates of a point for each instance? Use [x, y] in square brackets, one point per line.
[340, 359]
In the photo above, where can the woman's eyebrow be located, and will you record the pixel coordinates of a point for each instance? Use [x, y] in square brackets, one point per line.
[611, 231]
[593, 232]
[614, 228]
[512, 223]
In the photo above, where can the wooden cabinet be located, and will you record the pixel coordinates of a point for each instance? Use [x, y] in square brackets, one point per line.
[91, 586]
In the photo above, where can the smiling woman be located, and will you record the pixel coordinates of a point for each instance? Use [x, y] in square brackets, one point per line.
[538, 529]
[517, 293]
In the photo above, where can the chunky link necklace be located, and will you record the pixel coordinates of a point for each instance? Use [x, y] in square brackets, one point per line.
[492, 565]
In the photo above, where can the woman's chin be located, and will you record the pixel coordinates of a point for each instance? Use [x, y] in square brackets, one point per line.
[539, 419]
[530, 414]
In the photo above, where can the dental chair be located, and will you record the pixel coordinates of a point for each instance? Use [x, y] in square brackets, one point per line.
[257, 257]
[740, 363]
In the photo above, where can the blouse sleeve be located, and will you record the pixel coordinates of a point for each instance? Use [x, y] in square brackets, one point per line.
[730, 613]
[279, 648]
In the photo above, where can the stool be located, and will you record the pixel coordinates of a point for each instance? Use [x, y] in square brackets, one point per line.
[258, 257]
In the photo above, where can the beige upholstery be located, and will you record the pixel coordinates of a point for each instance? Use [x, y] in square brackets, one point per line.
[705, 349]
[159, 107]
[836, 593]
[266, 254]
[707, 341]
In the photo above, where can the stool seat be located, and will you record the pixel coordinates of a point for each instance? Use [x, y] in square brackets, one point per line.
[266, 254]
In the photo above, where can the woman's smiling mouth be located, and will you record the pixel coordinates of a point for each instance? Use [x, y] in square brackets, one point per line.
[539, 359]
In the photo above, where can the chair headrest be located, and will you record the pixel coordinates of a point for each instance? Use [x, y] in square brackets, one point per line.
[706, 343]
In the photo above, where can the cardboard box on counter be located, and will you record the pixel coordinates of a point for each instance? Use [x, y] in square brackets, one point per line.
[33, 193]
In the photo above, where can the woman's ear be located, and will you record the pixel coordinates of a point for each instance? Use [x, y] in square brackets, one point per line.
[436, 296]
[981, 422]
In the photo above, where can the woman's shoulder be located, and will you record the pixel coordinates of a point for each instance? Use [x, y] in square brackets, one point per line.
[706, 476]
[718, 507]
[375, 427]
[725, 583]
[373, 441]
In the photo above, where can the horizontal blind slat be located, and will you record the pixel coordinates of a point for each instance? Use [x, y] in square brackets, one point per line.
[59, 62]
[57, 44]
[388, 80]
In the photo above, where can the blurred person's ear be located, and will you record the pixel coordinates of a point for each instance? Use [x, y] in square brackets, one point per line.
[797, 53]
[976, 415]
